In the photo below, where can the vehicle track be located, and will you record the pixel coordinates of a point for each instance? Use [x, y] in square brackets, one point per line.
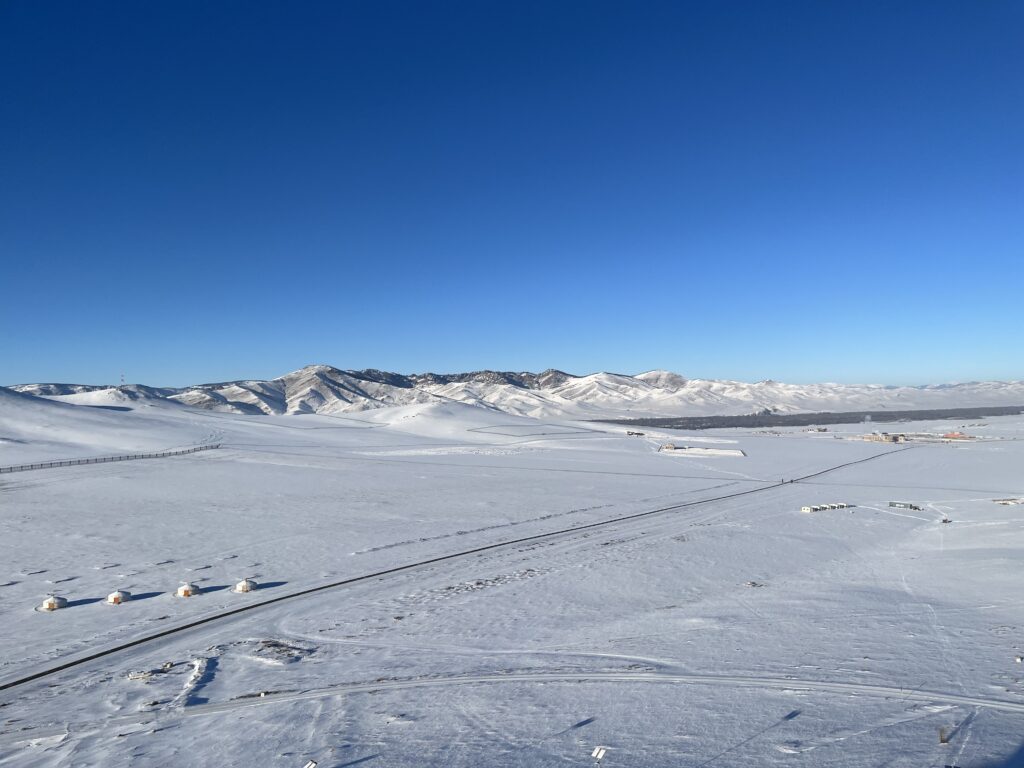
[740, 681]
[408, 567]
[384, 459]
[792, 684]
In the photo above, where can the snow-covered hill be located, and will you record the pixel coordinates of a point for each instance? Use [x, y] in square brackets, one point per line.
[39, 429]
[551, 394]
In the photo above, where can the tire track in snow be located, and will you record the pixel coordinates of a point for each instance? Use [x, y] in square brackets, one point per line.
[736, 681]
[790, 684]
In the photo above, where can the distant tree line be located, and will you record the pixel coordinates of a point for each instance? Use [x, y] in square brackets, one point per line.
[769, 418]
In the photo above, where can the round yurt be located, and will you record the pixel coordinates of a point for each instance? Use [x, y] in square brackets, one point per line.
[118, 596]
[53, 602]
[245, 585]
[187, 590]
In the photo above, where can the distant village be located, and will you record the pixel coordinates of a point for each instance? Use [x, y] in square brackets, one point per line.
[902, 437]
[917, 437]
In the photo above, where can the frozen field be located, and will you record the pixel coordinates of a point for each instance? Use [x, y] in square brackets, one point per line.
[726, 629]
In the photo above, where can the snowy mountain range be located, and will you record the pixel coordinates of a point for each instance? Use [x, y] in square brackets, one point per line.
[327, 390]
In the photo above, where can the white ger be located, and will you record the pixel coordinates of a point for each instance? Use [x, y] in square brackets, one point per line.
[53, 603]
[187, 590]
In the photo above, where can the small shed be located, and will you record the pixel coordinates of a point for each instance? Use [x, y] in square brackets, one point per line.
[118, 596]
[187, 590]
[54, 602]
[245, 585]
[667, 447]
[806, 509]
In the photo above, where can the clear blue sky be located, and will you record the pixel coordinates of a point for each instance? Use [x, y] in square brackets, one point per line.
[806, 191]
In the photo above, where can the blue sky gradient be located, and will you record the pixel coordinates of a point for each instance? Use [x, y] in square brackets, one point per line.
[804, 191]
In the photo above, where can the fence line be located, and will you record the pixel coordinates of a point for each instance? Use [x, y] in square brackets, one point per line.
[106, 459]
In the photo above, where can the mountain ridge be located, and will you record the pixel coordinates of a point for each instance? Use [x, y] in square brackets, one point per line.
[551, 393]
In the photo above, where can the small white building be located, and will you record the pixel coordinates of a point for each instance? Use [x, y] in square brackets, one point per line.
[245, 585]
[187, 590]
[53, 603]
[824, 507]
[667, 447]
[118, 596]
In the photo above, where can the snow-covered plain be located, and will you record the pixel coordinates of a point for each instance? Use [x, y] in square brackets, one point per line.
[729, 632]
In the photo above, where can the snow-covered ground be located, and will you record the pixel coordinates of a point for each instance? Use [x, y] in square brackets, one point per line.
[727, 629]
